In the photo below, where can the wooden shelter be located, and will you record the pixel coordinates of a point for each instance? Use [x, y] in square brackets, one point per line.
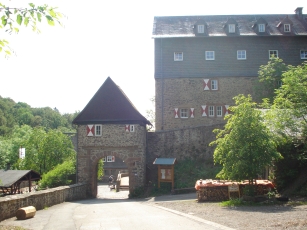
[165, 170]
[10, 180]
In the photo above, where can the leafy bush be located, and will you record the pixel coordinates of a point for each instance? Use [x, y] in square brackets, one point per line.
[188, 171]
[59, 176]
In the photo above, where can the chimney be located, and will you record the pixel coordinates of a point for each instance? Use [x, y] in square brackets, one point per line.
[299, 12]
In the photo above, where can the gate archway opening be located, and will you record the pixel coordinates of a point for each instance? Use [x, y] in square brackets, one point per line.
[118, 169]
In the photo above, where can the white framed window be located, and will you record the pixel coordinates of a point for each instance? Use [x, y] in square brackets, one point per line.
[132, 128]
[287, 28]
[178, 56]
[273, 53]
[261, 28]
[98, 130]
[210, 55]
[303, 54]
[231, 28]
[241, 54]
[104, 159]
[200, 29]
[219, 111]
[110, 159]
[184, 113]
[211, 111]
[214, 85]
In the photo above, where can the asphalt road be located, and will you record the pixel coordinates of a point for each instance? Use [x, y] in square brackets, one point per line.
[112, 211]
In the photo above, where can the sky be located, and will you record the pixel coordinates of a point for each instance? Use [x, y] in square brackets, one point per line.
[64, 66]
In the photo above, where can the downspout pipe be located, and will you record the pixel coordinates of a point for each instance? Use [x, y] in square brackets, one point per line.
[162, 87]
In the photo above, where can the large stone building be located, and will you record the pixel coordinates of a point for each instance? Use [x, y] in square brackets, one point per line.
[202, 62]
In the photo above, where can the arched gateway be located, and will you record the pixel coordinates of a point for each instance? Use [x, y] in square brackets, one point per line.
[110, 126]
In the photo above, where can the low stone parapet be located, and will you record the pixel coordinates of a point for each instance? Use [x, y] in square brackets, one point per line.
[41, 199]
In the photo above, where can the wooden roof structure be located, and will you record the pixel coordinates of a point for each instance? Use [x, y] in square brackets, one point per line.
[10, 180]
[110, 105]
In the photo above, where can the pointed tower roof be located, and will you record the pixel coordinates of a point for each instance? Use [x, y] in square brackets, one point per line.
[110, 105]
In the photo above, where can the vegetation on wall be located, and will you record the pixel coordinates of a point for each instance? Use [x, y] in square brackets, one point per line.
[189, 170]
[100, 171]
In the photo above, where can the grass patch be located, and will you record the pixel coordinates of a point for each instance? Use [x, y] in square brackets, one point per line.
[297, 203]
[4, 227]
[239, 202]
[236, 202]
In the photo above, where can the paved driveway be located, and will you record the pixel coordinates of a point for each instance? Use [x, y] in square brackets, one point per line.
[113, 211]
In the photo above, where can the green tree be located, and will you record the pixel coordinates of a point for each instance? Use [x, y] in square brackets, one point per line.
[12, 18]
[7, 120]
[245, 147]
[21, 113]
[9, 146]
[45, 150]
[287, 119]
[270, 79]
[291, 101]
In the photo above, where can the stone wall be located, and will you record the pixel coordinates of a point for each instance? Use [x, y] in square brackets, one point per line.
[180, 144]
[41, 199]
[186, 93]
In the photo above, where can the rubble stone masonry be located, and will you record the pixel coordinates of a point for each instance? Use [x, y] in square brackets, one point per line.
[189, 93]
[41, 199]
[114, 141]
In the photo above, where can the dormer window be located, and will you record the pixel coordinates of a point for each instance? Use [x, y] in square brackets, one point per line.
[231, 28]
[287, 28]
[200, 29]
[261, 28]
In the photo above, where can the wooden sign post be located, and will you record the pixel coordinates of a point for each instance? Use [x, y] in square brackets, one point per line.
[233, 188]
[165, 170]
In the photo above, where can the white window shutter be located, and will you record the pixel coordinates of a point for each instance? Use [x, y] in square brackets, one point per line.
[176, 112]
[90, 129]
[206, 84]
[203, 110]
[192, 112]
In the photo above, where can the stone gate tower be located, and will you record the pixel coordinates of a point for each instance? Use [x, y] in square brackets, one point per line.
[110, 127]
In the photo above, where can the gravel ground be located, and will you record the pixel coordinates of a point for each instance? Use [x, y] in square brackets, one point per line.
[281, 216]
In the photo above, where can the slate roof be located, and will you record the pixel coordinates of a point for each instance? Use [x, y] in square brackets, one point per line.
[184, 26]
[110, 105]
[164, 161]
[10, 177]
